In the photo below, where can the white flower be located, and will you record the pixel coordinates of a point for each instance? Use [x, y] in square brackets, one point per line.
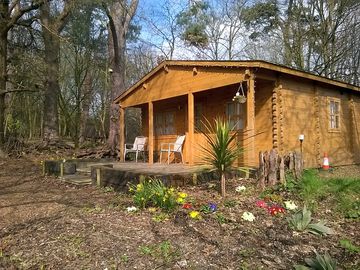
[248, 216]
[240, 188]
[290, 205]
[131, 209]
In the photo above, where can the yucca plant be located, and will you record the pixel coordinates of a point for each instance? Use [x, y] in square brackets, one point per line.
[222, 149]
[300, 221]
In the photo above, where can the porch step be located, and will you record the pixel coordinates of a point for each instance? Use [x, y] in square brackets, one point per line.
[77, 179]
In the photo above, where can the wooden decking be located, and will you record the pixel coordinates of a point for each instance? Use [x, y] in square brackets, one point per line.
[158, 168]
[119, 174]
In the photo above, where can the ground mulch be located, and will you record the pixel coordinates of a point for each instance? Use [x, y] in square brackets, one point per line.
[47, 224]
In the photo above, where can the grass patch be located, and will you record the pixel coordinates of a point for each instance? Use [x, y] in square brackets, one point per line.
[163, 251]
[343, 191]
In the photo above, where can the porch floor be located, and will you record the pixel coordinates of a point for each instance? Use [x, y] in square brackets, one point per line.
[158, 168]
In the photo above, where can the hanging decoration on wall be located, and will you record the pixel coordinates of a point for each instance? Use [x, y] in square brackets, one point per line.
[240, 97]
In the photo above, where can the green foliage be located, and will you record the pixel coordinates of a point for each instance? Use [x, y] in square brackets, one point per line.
[320, 262]
[153, 192]
[349, 246]
[193, 22]
[160, 217]
[261, 17]
[223, 149]
[311, 187]
[164, 251]
[344, 191]
[230, 203]
[220, 218]
[205, 209]
[300, 221]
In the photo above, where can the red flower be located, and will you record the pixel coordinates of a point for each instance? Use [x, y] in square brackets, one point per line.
[186, 206]
[274, 210]
[261, 204]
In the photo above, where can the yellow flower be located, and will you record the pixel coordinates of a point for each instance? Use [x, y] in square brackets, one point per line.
[152, 209]
[139, 187]
[180, 200]
[182, 195]
[194, 214]
[131, 189]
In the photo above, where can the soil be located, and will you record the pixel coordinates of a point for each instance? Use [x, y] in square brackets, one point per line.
[47, 224]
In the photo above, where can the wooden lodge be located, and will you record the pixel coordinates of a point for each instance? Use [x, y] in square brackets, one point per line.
[281, 104]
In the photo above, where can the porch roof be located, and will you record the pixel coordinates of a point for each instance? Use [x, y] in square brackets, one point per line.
[238, 64]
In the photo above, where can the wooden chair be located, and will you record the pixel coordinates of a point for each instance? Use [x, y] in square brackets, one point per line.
[173, 148]
[137, 147]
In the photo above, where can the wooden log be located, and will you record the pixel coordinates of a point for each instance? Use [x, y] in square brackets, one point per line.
[291, 162]
[272, 167]
[298, 165]
[266, 167]
[261, 174]
[282, 170]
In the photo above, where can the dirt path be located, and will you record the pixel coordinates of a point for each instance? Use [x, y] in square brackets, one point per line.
[46, 224]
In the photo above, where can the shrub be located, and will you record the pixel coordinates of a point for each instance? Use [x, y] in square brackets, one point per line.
[153, 192]
[349, 246]
[222, 148]
[300, 221]
[320, 262]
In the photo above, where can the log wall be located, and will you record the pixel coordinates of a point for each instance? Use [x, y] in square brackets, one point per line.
[305, 109]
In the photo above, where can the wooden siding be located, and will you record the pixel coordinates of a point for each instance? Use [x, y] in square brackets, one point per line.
[177, 81]
[213, 104]
[306, 111]
[263, 117]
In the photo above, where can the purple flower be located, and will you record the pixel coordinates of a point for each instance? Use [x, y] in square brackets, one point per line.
[212, 207]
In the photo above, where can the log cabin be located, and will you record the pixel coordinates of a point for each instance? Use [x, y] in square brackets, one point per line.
[281, 104]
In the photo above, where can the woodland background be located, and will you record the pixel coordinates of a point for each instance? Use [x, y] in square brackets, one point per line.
[63, 62]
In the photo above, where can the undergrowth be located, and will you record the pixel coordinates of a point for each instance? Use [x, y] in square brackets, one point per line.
[343, 191]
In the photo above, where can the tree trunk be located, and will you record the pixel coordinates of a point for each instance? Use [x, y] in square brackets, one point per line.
[52, 62]
[3, 55]
[85, 106]
[4, 15]
[223, 185]
[119, 16]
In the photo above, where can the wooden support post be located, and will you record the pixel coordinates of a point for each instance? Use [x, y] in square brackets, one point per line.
[151, 132]
[122, 133]
[250, 122]
[190, 139]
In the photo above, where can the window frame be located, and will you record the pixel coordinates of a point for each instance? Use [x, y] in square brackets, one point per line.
[239, 118]
[333, 116]
[165, 128]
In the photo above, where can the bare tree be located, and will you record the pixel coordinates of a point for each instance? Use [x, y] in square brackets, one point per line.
[10, 13]
[120, 14]
[53, 17]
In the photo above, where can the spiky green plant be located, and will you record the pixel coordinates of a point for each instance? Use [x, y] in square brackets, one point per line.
[222, 149]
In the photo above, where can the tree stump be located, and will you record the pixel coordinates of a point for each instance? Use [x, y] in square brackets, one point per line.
[272, 167]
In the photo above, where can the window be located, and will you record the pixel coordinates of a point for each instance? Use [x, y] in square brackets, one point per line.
[235, 115]
[198, 116]
[334, 109]
[165, 123]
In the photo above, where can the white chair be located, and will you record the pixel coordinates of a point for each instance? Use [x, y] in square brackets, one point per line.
[173, 148]
[137, 147]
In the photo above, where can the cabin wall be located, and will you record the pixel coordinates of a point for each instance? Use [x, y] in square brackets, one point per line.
[263, 118]
[305, 109]
[177, 81]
